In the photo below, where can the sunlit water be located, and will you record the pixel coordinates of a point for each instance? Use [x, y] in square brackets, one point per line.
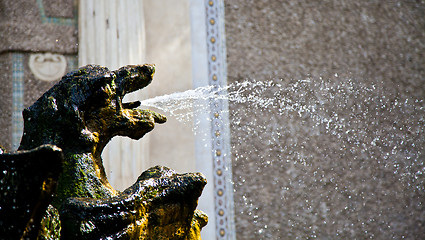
[331, 159]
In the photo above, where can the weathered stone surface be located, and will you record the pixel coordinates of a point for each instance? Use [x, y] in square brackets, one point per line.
[160, 205]
[28, 180]
[81, 114]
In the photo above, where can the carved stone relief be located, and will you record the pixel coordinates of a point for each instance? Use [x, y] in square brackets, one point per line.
[47, 66]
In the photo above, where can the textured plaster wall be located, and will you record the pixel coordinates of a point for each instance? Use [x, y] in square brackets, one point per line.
[310, 181]
[28, 27]
[23, 26]
[380, 40]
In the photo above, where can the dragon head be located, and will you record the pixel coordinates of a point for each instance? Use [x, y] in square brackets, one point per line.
[84, 110]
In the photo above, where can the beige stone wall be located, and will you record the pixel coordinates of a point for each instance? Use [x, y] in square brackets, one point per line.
[169, 47]
[296, 178]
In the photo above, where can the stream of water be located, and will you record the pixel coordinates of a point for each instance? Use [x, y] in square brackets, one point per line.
[324, 154]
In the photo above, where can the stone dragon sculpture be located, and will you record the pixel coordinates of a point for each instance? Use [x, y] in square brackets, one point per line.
[80, 115]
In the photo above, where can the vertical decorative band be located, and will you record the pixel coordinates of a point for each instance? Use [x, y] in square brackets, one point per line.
[18, 98]
[217, 77]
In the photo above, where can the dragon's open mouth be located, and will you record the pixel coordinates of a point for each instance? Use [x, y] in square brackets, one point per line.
[130, 79]
[134, 122]
[123, 118]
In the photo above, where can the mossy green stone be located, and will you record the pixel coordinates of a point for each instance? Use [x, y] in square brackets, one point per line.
[81, 114]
